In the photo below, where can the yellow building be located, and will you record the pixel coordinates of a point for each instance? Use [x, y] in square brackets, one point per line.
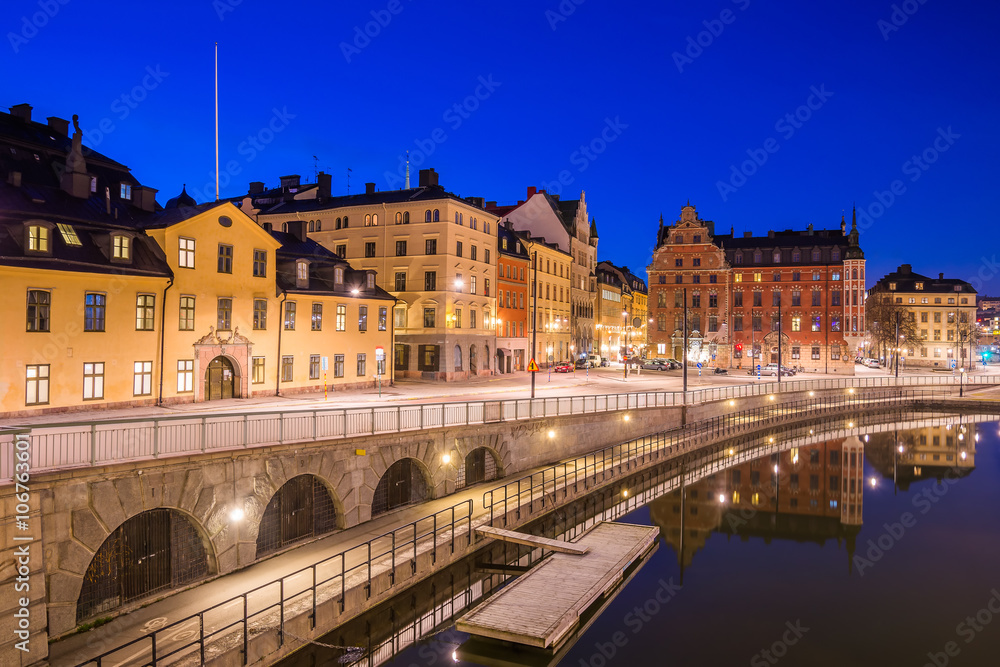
[549, 297]
[432, 250]
[622, 312]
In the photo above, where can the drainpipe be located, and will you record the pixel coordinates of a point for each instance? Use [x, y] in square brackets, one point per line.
[281, 325]
[163, 319]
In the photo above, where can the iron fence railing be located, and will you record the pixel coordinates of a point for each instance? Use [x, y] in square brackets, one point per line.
[100, 442]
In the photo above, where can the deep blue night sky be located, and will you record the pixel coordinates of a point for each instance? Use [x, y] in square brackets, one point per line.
[679, 123]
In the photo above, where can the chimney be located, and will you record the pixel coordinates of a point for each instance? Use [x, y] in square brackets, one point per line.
[904, 269]
[476, 201]
[59, 125]
[297, 228]
[22, 111]
[324, 185]
[770, 233]
[268, 227]
[256, 187]
[369, 188]
[531, 191]
[747, 235]
[289, 182]
[940, 276]
[428, 177]
[491, 204]
[144, 197]
[14, 178]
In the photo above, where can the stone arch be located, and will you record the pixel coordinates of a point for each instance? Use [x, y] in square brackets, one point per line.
[156, 550]
[482, 464]
[304, 506]
[405, 482]
[498, 448]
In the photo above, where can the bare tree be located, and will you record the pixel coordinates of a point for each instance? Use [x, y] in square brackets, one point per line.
[882, 314]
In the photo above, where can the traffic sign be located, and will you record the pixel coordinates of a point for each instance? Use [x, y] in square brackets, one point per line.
[326, 363]
[699, 364]
[532, 366]
[380, 353]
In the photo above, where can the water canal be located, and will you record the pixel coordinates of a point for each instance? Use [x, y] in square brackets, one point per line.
[873, 545]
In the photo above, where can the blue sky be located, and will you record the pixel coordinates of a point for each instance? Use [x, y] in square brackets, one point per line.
[766, 115]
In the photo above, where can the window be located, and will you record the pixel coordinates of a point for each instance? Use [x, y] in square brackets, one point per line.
[796, 256]
[796, 323]
[341, 250]
[696, 279]
[316, 322]
[400, 281]
[486, 255]
[758, 257]
[437, 215]
[289, 316]
[817, 323]
[679, 279]
[185, 375]
[341, 317]
[472, 284]
[225, 258]
[428, 357]
[815, 255]
[400, 248]
[338, 365]
[817, 298]
[120, 249]
[713, 278]
[696, 238]
[796, 298]
[835, 323]
[486, 287]
[144, 310]
[225, 314]
[713, 323]
[835, 352]
[38, 241]
[679, 262]
[338, 275]
[738, 258]
[815, 352]
[36, 384]
[370, 280]
[185, 253]
[776, 298]
[430, 280]
[835, 276]
[399, 218]
[383, 317]
[758, 277]
[427, 215]
[362, 318]
[362, 364]
[472, 253]
[796, 352]
[142, 378]
[430, 247]
[738, 299]
[458, 318]
[260, 314]
[39, 310]
[93, 381]
[287, 369]
[777, 277]
[93, 311]
[260, 263]
[835, 255]
[314, 364]
[696, 261]
[835, 298]
[430, 317]
[399, 317]
[458, 248]
[758, 299]
[737, 323]
[369, 249]
[69, 236]
[186, 314]
[713, 300]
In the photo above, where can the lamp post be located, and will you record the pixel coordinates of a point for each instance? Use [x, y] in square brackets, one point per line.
[534, 317]
[625, 333]
[684, 361]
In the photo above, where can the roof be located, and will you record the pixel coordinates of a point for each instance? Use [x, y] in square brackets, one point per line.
[513, 239]
[427, 193]
[905, 280]
[322, 265]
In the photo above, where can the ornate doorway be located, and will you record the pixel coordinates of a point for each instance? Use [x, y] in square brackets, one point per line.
[221, 380]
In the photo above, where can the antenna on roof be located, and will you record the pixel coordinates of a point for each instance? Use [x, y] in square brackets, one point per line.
[407, 171]
[315, 168]
[216, 121]
[348, 180]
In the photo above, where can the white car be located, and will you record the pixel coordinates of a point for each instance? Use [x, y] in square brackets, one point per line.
[871, 363]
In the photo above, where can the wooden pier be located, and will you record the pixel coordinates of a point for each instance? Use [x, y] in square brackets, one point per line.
[543, 607]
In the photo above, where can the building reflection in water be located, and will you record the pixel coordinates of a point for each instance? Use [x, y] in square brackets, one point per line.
[812, 493]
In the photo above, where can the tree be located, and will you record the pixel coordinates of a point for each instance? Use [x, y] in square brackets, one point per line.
[882, 312]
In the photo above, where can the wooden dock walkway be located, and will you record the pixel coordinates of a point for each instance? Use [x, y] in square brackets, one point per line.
[533, 540]
[542, 607]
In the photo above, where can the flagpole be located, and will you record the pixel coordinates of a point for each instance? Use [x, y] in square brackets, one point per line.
[216, 121]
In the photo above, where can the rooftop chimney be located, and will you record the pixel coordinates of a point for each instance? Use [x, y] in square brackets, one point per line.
[59, 125]
[904, 269]
[324, 185]
[940, 276]
[268, 227]
[297, 228]
[289, 182]
[770, 233]
[22, 111]
[369, 188]
[747, 235]
[144, 197]
[256, 187]
[531, 191]
[428, 177]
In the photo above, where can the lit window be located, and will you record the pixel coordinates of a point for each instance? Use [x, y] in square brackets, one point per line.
[38, 238]
[93, 381]
[185, 253]
[69, 236]
[120, 247]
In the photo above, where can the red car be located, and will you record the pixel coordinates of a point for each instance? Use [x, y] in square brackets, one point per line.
[563, 367]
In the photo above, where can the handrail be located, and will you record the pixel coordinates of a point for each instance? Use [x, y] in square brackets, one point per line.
[98, 442]
[602, 463]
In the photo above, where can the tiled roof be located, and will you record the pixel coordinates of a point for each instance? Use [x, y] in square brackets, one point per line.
[906, 281]
[421, 194]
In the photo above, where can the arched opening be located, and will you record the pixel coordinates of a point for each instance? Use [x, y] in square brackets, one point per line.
[402, 484]
[153, 551]
[458, 358]
[500, 361]
[472, 359]
[302, 508]
[480, 465]
[221, 380]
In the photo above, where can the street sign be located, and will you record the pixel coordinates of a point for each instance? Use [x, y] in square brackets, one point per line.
[379, 353]
[699, 364]
[532, 366]
[326, 363]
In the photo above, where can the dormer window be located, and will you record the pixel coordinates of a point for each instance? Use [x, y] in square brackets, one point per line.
[120, 248]
[919, 286]
[126, 191]
[777, 257]
[69, 235]
[93, 184]
[302, 273]
[371, 281]
[338, 275]
[892, 286]
[39, 239]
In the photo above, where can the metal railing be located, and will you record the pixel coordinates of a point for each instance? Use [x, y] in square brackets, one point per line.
[100, 442]
[269, 605]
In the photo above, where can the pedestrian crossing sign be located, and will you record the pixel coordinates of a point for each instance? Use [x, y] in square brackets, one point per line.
[532, 366]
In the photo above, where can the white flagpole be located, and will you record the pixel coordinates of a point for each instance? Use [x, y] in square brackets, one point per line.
[216, 121]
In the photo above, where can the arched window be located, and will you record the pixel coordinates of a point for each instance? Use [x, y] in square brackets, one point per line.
[474, 224]
[346, 225]
[854, 274]
[375, 220]
[427, 215]
[437, 215]
[406, 217]
[486, 227]
[399, 218]
[319, 225]
[312, 225]
[458, 358]
[284, 226]
[337, 224]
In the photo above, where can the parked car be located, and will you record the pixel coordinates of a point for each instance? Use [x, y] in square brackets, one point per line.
[772, 370]
[563, 367]
[583, 364]
[605, 363]
[595, 360]
[871, 363]
[720, 371]
[655, 365]
[785, 370]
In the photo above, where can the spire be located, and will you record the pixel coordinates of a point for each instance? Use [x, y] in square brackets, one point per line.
[593, 228]
[407, 170]
[854, 218]
[659, 234]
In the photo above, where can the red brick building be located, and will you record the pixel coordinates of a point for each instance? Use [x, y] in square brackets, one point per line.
[512, 301]
[735, 286]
